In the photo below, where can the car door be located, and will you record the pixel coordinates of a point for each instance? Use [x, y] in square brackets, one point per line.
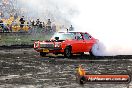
[88, 42]
[79, 43]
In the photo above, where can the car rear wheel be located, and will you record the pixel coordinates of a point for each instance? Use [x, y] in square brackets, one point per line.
[91, 53]
[67, 52]
[42, 54]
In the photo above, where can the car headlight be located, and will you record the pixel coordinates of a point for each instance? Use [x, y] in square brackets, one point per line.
[58, 45]
[36, 44]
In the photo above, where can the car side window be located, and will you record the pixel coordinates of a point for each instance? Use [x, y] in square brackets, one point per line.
[86, 36]
[79, 36]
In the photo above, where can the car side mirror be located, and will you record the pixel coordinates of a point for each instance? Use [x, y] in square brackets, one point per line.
[56, 38]
[90, 37]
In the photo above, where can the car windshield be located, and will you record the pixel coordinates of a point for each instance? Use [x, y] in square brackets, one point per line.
[64, 36]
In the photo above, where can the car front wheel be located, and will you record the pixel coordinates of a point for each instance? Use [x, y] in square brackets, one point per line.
[67, 52]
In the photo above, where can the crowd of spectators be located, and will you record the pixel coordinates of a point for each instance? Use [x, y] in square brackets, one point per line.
[47, 27]
[20, 24]
[23, 25]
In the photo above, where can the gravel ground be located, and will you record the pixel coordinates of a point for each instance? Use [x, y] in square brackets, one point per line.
[24, 68]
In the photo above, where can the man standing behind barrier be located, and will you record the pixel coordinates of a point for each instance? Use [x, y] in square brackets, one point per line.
[22, 22]
[48, 25]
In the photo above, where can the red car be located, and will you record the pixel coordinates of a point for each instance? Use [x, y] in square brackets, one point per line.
[66, 43]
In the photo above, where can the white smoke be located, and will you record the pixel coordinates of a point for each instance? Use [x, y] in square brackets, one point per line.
[110, 21]
[59, 11]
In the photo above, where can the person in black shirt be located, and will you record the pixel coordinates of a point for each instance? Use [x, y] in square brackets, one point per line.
[40, 25]
[1, 23]
[37, 22]
[33, 23]
[22, 22]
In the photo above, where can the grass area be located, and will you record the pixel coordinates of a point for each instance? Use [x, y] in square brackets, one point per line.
[22, 38]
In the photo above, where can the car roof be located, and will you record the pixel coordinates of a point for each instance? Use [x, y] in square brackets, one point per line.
[71, 32]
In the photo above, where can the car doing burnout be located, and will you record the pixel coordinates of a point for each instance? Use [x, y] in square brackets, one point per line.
[66, 43]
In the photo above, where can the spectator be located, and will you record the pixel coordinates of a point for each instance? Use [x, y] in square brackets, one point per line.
[48, 25]
[15, 16]
[54, 28]
[33, 23]
[7, 28]
[71, 28]
[22, 22]
[43, 25]
[1, 23]
[10, 27]
[37, 22]
[40, 25]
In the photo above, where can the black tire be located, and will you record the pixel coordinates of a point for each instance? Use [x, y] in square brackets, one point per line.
[82, 53]
[91, 53]
[42, 54]
[67, 52]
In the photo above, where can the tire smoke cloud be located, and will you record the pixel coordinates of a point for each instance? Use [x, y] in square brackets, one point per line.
[108, 21]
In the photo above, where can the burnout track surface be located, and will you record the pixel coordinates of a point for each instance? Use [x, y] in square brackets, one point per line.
[25, 68]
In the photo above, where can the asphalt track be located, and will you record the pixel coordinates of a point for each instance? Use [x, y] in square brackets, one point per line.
[24, 68]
